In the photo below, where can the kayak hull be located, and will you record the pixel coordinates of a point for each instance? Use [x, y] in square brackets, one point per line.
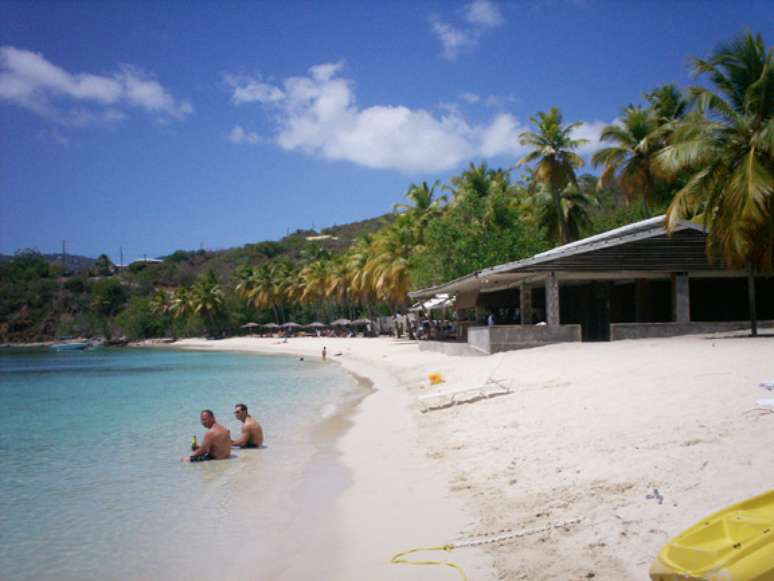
[734, 544]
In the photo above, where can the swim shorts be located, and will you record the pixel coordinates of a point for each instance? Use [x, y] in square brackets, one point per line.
[202, 458]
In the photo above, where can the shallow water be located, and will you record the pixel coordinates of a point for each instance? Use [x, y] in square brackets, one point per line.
[92, 486]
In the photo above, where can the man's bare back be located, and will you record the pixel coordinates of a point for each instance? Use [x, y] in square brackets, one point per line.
[219, 442]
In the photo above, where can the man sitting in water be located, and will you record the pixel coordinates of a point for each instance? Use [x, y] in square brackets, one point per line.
[217, 441]
[252, 433]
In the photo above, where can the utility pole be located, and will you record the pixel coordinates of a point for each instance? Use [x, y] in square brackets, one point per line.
[64, 254]
[121, 254]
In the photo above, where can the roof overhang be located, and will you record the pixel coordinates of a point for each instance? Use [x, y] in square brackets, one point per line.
[511, 274]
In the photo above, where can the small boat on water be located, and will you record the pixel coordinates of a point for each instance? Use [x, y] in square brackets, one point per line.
[736, 543]
[69, 346]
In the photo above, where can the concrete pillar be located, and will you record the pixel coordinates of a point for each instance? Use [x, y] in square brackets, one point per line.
[525, 304]
[552, 300]
[681, 298]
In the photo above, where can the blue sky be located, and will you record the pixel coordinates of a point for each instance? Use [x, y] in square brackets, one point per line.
[164, 126]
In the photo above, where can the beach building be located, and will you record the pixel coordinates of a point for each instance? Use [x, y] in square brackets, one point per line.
[631, 282]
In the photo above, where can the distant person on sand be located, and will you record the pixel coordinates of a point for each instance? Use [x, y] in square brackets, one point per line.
[324, 353]
[252, 433]
[216, 444]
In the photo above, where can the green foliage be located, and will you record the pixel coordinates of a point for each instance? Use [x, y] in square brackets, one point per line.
[481, 228]
[138, 321]
[108, 296]
[103, 266]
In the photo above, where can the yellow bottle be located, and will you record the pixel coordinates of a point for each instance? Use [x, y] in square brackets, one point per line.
[194, 444]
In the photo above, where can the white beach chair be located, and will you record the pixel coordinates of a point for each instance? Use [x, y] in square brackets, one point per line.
[449, 396]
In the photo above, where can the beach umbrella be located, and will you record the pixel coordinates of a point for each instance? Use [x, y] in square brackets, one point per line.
[290, 325]
[270, 326]
[250, 326]
[315, 325]
[341, 322]
[361, 322]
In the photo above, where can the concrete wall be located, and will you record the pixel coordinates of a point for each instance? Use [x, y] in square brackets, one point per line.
[508, 337]
[457, 348]
[619, 331]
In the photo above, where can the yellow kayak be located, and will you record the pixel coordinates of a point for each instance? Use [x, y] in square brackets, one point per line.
[734, 544]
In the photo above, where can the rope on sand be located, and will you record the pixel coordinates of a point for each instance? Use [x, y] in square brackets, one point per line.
[498, 537]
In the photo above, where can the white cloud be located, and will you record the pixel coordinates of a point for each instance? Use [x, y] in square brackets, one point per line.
[53, 136]
[28, 80]
[247, 90]
[485, 14]
[480, 16]
[452, 39]
[239, 135]
[317, 114]
[591, 131]
[502, 137]
[470, 97]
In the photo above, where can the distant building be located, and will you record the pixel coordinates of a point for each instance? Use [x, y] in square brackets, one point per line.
[321, 237]
[145, 260]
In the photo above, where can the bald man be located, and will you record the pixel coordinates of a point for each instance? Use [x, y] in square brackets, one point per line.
[217, 441]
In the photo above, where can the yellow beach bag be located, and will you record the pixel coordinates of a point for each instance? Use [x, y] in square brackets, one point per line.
[734, 544]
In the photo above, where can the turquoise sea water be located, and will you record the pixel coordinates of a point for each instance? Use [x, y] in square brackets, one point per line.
[91, 486]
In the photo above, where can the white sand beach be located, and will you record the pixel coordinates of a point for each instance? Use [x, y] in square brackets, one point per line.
[588, 433]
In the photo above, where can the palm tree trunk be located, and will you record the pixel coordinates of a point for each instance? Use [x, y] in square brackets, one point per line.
[650, 195]
[564, 231]
[751, 300]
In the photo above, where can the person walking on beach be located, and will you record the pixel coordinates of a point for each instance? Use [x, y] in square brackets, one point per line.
[324, 353]
[252, 433]
[216, 444]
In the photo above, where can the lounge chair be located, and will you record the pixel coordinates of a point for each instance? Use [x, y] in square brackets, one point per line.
[449, 396]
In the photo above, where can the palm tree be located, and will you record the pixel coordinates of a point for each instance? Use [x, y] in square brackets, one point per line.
[477, 182]
[726, 146]
[161, 306]
[339, 280]
[629, 162]
[425, 205]
[553, 147]
[207, 299]
[575, 204]
[315, 278]
[389, 265]
[667, 104]
[180, 305]
[359, 257]
[244, 282]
